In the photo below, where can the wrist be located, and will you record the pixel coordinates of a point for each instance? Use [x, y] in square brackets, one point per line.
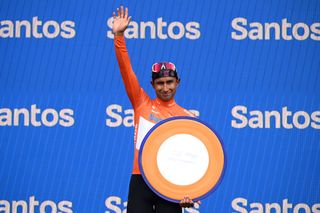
[118, 34]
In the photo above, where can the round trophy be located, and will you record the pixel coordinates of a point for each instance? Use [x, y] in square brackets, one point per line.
[182, 156]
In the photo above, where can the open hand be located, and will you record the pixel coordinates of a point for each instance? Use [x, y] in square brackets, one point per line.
[121, 20]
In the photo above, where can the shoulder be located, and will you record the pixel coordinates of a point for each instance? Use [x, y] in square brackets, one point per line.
[189, 113]
[185, 112]
[144, 99]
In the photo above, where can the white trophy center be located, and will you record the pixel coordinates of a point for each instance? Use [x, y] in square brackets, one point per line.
[182, 159]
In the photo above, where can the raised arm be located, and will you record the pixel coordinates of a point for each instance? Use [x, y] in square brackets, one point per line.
[120, 24]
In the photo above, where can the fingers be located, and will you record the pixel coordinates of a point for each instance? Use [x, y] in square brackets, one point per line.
[186, 205]
[126, 13]
[186, 202]
[122, 13]
[118, 11]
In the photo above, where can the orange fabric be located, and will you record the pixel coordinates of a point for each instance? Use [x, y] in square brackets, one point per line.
[147, 112]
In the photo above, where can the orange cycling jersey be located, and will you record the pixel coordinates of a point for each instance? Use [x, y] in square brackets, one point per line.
[147, 112]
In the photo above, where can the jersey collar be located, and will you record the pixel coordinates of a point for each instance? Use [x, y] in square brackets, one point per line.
[165, 103]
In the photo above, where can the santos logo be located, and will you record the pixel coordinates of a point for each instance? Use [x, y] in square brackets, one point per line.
[159, 29]
[114, 204]
[36, 117]
[36, 29]
[241, 205]
[35, 206]
[117, 116]
[274, 119]
[274, 31]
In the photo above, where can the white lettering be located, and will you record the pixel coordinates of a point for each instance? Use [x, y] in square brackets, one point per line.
[128, 120]
[241, 205]
[160, 25]
[113, 112]
[273, 206]
[143, 27]
[47, 203]
[256, 120]
[20, 204]
[286, 205]
[276, 29]
[65, 206]
[315, 29]
[27, 26]
[274, 119]
[46, 121]
[5, 117]
[36, 29]
[235, 25]
[116, 116]
[285, 30]
[285, 26]
[159, 29]
[180, 28]
[17, 113]
[316, 208]
[285, 115]
[193, 30]
[299, 206]
[114, 203]
[6, 30]
[256, 33]
[277, 119]
[66, 117]
[68, 29]
[36, 117]
[32, 204]
[306, 120]
[305, 31]
[4, 206]
[235, 113]
[315, 116]
[235, 205]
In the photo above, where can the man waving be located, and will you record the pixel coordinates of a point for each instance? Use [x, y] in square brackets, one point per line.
[147, 113]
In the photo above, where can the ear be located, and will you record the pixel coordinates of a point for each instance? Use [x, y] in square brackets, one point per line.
[152, 83]
[178, 82]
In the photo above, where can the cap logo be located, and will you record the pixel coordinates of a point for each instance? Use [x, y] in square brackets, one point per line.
[166, 73]
[163, 67]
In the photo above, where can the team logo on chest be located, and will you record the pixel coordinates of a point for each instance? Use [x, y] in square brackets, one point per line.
[152, 117]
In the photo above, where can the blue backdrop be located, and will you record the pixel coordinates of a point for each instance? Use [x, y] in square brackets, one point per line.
[250, 68]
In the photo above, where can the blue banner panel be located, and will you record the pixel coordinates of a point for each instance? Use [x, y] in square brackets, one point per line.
[248, 68]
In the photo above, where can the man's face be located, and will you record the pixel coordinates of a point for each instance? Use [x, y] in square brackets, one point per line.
[165, 87]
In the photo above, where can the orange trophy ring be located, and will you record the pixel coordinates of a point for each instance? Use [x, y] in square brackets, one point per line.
[182, 156]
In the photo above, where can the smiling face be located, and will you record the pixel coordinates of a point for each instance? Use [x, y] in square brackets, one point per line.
[165, 87]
